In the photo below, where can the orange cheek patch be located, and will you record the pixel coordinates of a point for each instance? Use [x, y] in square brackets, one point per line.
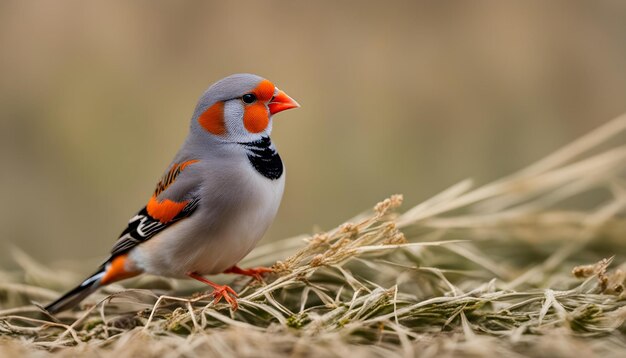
[213, 119]
[256, 118]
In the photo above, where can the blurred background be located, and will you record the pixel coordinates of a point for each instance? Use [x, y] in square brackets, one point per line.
[405, 97]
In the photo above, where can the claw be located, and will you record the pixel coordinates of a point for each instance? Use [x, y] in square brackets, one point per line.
[219, 291]
[227, 293]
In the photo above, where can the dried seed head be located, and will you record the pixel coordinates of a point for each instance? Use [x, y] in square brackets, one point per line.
[384, 206]
[615, 282]
[583, 271]
[396, 200]
[389, 229]
[348, 228]
[317, 261]
[318, 240]
[339, 244]
[397, 239]
[599, 269]
[280, 267]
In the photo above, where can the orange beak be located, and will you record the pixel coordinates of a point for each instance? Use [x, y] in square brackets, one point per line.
[282, 102]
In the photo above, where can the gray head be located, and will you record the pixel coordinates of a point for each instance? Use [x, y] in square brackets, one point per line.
[239, 108]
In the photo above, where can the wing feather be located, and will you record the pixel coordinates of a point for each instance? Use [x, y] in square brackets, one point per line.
[175, 198]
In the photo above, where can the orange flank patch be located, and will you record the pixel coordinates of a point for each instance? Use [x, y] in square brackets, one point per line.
[165, 210]
[213, 119]
[256, 117]
[117, 271]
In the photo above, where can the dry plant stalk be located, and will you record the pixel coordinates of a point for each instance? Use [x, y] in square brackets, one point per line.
[471, 271]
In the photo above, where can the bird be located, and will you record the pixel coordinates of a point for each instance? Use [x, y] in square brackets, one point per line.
[215, 201]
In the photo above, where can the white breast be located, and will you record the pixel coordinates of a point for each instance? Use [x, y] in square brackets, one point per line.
[237, 208]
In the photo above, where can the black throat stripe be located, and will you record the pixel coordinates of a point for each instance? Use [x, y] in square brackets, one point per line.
[264, 158]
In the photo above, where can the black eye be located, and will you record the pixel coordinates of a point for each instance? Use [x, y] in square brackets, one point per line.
[248, 98]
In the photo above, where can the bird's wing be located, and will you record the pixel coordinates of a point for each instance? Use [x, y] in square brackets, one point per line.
[175, 198]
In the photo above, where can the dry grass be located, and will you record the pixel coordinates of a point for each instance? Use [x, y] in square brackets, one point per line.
[493, 270]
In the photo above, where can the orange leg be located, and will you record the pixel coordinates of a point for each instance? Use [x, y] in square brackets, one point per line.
[219, 291]
[255, 272]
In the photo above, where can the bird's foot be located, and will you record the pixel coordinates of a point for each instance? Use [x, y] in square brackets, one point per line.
[256, 272]
[219, 291]
[229, 295]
